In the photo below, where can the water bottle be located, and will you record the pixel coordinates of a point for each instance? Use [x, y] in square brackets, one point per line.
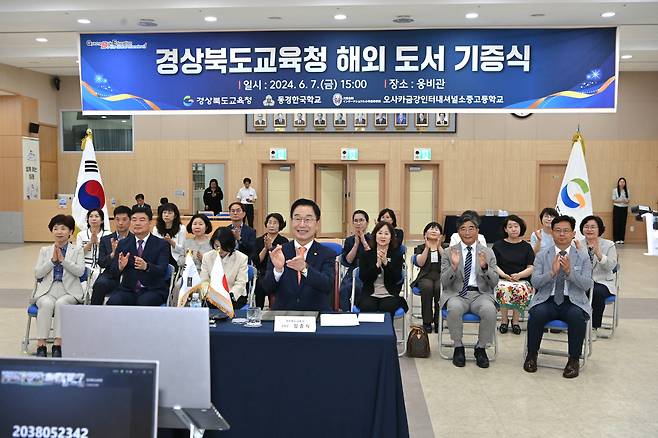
[195, 301]
[253, 312]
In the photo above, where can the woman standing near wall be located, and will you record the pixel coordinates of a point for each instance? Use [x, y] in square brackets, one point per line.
[619, 210]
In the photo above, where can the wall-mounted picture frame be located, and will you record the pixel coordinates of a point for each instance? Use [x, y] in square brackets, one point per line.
[381, 120]
[280, 120]
[299, 121]
[260, 121]
[442, 120]
[401, 120]
[340, 120]
[422, 120]
[360, 120]
[320, 120]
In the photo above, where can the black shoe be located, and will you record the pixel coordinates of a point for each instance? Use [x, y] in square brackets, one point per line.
[57, 351]
[503, 328]
[42, 351]
[459, 357]
[481, 358]
[516, 329]
[427, 328]
[555, 331]
[572, 368]
[530, 364]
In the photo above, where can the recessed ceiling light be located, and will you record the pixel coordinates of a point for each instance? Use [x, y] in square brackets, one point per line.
[608, 14]
[275, 17]
[403, 19]
[84, 20]
[210, 19]
[124, 121]
[626, 56]
[147, 22]
[41, 40]
[103, 117]
[340, 17]
[472, 15]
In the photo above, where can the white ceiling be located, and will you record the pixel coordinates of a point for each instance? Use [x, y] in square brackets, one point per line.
[21, 21]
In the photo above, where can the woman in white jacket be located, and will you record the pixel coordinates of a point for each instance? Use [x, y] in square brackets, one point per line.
[603, 254]
[58, 271]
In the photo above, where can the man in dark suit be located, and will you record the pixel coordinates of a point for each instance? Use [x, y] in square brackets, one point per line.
[105, 283]
[140, 203]
[245, 236]
[562, 279]
[140, 264]
[301, 273]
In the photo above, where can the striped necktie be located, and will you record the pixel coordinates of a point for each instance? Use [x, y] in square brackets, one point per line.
[467, 271]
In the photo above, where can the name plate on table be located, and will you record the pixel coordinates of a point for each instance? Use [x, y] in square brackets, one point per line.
[301, 324]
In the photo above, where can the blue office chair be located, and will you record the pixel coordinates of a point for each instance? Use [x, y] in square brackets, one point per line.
[399, 314]
[338, 250]
[610, 321]
[560, 338]
[415, 290]
[467, 318]
[33, 310]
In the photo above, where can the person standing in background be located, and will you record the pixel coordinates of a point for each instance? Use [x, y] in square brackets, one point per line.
[212, 197]
[619, 211]
[247, 196]
[139, 198]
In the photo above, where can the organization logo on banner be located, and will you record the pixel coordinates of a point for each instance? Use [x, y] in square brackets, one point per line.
[579, 189]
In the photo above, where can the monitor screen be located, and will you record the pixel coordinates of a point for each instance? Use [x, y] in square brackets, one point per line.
[50, 398]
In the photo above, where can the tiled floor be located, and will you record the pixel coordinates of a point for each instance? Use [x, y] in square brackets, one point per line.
[616, 395]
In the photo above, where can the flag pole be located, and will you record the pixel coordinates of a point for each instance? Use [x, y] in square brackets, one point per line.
[89, 136]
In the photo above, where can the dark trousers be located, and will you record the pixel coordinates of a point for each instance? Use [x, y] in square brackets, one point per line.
[372, 304]
[249, 210]
[619, 216]
[239, 303]
[601, 292]
[574, 316]
[145, 297]
[103, 286]
[430, 292]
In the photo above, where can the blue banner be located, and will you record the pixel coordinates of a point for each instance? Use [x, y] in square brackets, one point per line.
[458, 70]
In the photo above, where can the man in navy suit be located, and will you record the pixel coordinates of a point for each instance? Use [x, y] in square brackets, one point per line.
[105, 283]
[140, 264]
[301, 272]
[245, 236]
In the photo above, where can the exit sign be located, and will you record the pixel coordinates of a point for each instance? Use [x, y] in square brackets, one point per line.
[278, 154]
[422, 154]
[349, 154]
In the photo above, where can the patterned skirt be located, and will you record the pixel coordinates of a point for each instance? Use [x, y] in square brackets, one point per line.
[513, 294]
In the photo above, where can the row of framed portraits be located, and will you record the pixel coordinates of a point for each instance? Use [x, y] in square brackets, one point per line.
[358, 122]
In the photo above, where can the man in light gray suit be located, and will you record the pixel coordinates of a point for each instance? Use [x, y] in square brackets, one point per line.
[468, 277]
[562, 279]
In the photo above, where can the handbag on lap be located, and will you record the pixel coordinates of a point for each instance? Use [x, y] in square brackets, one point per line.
[418, 343]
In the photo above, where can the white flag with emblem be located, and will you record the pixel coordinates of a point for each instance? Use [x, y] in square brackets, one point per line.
[218, 293]
[191, 281]
[575, 196]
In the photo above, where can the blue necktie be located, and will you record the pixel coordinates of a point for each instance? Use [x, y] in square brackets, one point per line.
[467, 271]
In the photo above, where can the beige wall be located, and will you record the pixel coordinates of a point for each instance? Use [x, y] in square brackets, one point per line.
[32, 84]
[491, 162]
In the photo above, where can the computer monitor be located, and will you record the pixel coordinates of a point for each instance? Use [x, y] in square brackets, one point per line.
[78, 398]
[178, 338]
